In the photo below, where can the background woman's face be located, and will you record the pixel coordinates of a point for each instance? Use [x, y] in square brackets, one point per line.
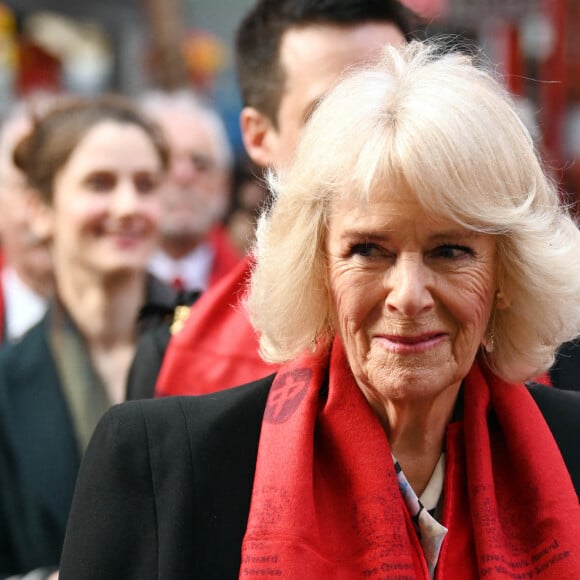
[106, 204]
[412, 295]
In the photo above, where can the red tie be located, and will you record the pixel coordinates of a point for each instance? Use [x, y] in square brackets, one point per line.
[177, 284]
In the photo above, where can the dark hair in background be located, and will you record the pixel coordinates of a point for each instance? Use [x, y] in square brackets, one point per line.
[260, 75]
[247, 173]
[57, 133]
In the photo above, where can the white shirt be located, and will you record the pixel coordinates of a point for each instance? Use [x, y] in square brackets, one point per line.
[193, 270]
[23, 307]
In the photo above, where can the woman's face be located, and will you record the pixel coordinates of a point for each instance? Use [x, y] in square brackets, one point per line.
[105, 204]
[412, 295]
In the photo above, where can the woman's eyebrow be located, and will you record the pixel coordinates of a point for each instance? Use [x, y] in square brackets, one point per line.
[369, 233]
[460, 235]
[381, 234]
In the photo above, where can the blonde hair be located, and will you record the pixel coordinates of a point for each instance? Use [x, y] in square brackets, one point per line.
[434, 125]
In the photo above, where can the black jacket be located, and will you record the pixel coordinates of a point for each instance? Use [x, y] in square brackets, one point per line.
[565, 373]
[39, 452]
[39, 456]
[179, 475]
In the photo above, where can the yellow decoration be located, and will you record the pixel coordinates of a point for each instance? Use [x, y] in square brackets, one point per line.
[180, 315]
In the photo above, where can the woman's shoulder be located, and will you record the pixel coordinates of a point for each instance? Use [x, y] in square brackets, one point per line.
[554, 401]
[170, 438]
[231, 399]
[238, 409]
[565, 373]
[33, 339]
[561, 410]
[28, 361]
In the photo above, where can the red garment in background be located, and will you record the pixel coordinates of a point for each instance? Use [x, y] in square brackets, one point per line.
[38, 70]
[217, 348]
[544, 379]
[226, 255]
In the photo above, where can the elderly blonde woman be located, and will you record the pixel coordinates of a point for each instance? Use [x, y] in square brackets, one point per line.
[414, 268]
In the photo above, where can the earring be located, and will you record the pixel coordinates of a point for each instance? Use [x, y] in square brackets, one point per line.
[490, 341]
[490, 338]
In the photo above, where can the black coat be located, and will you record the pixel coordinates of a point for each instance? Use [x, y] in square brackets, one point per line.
[39, 451]
[179, 472]
[565, 373]
[39, 455]
[179, 475]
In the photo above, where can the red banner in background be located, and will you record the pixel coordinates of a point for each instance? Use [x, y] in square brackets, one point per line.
[38, 70]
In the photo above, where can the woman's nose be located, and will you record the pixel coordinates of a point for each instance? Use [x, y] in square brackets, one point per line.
[125, 199]
[409, 287]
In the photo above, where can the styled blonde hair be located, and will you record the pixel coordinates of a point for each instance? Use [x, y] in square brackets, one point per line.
[431, 124]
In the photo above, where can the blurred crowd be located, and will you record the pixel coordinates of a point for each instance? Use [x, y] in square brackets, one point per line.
[207, 200]
[114, 212]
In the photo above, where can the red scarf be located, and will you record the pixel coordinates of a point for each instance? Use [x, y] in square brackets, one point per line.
[326, 502]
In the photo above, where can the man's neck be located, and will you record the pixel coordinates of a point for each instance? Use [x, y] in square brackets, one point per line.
[41, 284]
[180, 247]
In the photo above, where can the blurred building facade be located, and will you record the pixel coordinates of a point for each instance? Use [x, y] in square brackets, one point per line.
[129, 45]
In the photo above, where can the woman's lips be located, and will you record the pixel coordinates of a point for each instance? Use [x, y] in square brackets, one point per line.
[125, 239]
[411, 344]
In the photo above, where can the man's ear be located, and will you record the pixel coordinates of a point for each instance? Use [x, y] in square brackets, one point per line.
[258, 135]
[40, 216]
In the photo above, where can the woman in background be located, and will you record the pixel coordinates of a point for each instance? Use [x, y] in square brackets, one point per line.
[96, 167]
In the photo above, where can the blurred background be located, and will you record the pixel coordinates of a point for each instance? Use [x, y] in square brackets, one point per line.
[88, 46]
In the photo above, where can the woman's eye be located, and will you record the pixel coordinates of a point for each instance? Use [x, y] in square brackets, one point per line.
[366, 250]
[101, 181]
[146, 183]
[452, 251]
